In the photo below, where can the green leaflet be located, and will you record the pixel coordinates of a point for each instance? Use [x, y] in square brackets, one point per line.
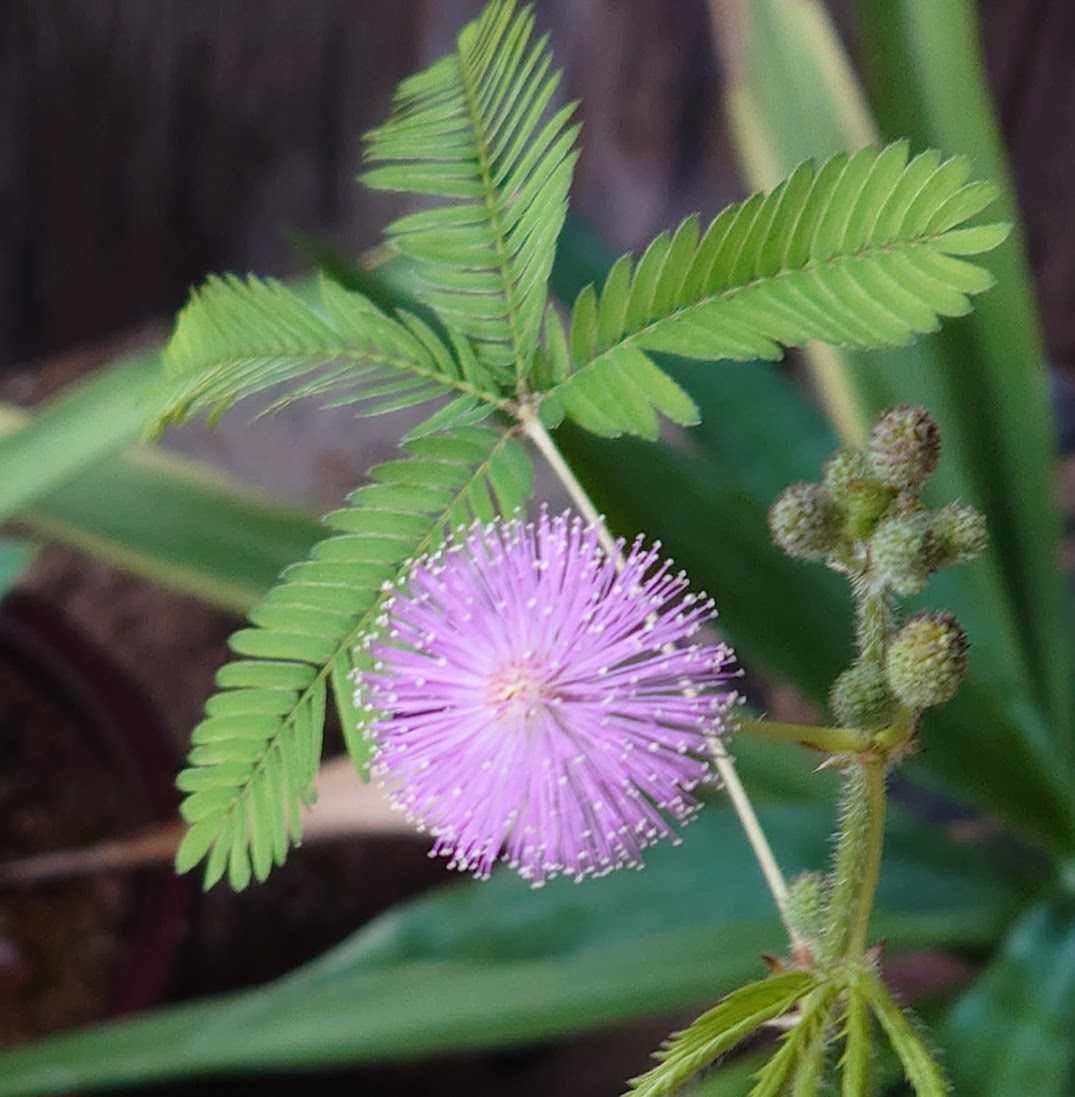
[919, 1065]
[797, 1045]
[472, 128]
[255, 756]
[856, 253]
[719, 1030]
[237, 338]
[729, 1080]
[855, 1065]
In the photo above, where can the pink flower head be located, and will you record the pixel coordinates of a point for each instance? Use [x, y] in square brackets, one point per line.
[538, 704]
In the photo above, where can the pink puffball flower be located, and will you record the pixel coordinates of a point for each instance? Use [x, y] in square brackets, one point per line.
[535, 701]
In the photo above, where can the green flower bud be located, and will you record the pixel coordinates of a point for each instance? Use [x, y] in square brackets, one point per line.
[860, 698]
[927, 660]
[805, 521]
[844, 468]
[905, 446]
[958, 533]
[902, 552]
[867, 503]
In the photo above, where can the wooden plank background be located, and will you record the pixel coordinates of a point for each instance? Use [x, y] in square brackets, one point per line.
[148, 141]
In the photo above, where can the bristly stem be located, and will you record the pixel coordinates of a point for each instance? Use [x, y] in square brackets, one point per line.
[873, 848]
[744, 809]
[874, 620]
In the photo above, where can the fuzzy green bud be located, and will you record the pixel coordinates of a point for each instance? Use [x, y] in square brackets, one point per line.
[958, 533]
[927, 660]
[807, 907]
[902, 552]
[805, 521]
[843, 469]
[905, 446]
[861, 698]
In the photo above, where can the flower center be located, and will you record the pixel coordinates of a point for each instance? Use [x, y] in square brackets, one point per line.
[518, 690]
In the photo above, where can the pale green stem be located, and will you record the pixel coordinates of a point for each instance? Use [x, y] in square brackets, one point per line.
[555, 459]
[744, 809]
[830, 740]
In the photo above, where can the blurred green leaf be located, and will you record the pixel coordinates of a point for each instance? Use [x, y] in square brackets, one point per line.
[1011, 1032]
[14, 559]
[488, 965]
[171, 520]
[180, 524]
[174, 521]
[88, 420]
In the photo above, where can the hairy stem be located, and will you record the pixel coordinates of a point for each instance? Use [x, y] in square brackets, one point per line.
[873, 847]
[857, 863]
[874, 621]
[744, 809]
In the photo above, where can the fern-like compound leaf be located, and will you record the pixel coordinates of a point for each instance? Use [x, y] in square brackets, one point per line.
[473, 129]
[783, 1069]
[860, 252]
[719, 1030]
[236, 338]
[255, 756]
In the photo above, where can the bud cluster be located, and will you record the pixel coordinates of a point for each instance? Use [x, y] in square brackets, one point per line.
[866, 519]
[866, 513]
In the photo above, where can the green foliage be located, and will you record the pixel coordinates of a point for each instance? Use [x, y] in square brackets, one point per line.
[860, 252]
[713, 1034]
[256, 754]
[238, 338]
[470, 129]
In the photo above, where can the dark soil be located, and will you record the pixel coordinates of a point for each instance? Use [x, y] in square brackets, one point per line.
[69, 778]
